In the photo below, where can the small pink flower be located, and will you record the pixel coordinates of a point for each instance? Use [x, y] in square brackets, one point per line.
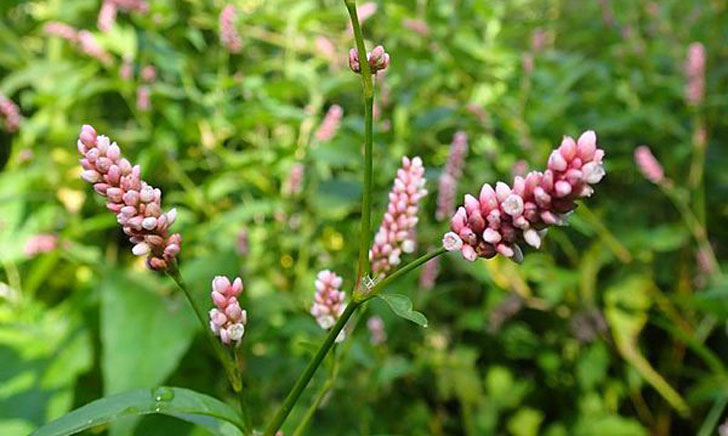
[328, 300]
[501, 218]
[229, 35]
[378, 60]
[330, 125]
[325, 48]
[450, 176]
[695, 74]
[395, 234]
[41, 243]
[227, 319]
[648, 165]
[137, 205]
[377, 333]
[9, 114]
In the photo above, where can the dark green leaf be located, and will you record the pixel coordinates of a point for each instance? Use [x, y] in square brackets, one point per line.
[401, 305]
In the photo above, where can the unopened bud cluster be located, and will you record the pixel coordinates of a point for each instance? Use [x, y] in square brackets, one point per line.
[227, 319]
[396, 233]
[378, 60]
[328, 300]
[501, 218]
[138, 206]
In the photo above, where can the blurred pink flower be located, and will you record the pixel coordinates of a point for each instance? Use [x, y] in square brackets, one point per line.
[451, 175]
[539, 37]
[501, 218]
[41, 243]
[364, 11]
[377, 333]
[325, 48]
[648, 165]
[229, 35]
[242, 243]
[107, 16]
[61, 30]
[328, 300]
[138, 206]
[9, 114]
[294, 184]
[395, 234]
[131, 5]
[227, 319]
[417, 26]
[429, 274]
[149, 73]
[90, 45]
[143, 98]
[126, 71]
[478, 111]
[330, 125]
[695, 74]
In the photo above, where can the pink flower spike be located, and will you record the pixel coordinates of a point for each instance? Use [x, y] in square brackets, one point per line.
[227, 319]
[378, 334]
[328, 300]
[396, 232]
[330, 125]
[522, 213]
[229, 35]
[9, 114]
[447, 189]
[648, 165]
[137, 205]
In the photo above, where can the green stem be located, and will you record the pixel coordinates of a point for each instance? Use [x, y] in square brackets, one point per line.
[303, 425]
[400, 273]
[222, 354]
[310, 370]
[368, 93]
[694, 226]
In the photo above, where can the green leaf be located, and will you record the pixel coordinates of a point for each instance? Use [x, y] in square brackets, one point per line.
[178, 402]
[136, 323]
[401, 305]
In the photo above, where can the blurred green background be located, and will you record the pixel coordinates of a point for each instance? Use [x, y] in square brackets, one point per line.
[601, 332]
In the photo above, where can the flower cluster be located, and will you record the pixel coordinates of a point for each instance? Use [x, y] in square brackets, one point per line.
[137, 204]
[648, 165]
[396, 233]
[695, 74]
[227, 319]
[328, 300]
[228, 33]
[502, 217]
[378, 60]
[377, 333]
[330, 124]
[10, 114]
[82, 39]
[428, 274]
[107, 16]
[450, 176]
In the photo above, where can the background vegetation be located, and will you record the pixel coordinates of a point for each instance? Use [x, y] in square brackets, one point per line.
[602, 331]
